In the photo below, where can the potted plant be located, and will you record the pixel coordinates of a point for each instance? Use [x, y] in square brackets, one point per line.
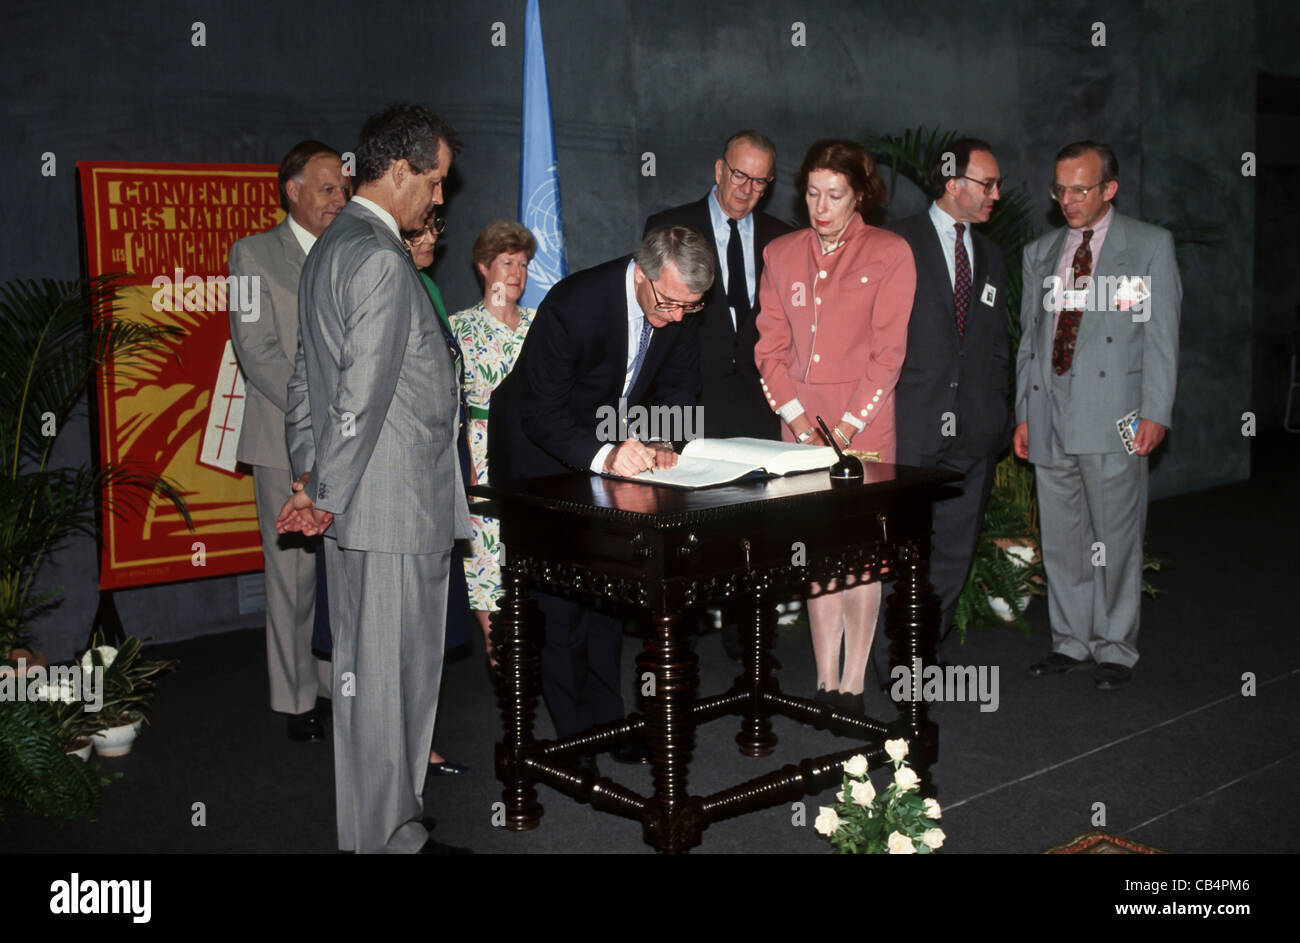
[128, 688]
[59, 336]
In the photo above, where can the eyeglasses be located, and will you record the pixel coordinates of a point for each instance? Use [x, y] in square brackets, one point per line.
[993, 183]
[435, 226]
[667, 307]
[1076, 194]
[739, 178]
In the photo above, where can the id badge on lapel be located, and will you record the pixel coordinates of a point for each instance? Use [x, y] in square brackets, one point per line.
[989, 294]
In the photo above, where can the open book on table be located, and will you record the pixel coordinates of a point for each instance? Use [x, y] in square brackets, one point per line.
[706, 462]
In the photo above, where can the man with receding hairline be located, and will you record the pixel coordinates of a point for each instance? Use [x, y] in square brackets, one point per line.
[1095, 381]
[312, 192]
[952, 405]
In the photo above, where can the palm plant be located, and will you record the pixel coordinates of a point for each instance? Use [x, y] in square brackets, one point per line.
[57, 336]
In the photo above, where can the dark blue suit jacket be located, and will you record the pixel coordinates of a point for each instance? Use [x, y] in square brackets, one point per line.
[545, 415]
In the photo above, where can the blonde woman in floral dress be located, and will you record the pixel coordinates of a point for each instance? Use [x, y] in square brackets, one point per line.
[491, 334]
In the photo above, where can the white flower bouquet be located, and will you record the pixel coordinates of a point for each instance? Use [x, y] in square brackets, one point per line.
[897, 821]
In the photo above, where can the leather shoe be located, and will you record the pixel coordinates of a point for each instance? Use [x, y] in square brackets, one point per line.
[306, 728]
[630, 753]
[432, 847]
[1111, 676]
[852, 703]
[447, 769]
[1055, 664]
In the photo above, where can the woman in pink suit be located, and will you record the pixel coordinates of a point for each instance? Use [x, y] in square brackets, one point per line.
[832, 323]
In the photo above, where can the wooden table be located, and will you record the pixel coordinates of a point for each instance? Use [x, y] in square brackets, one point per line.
[664, 551]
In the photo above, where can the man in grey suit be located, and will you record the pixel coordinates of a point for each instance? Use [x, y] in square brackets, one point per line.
[952, 402]
[372, 435]
[1099, 350]
[312, 191]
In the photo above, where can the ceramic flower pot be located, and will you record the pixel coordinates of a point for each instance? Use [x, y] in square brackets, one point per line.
[1021, 555]
[115, 741]
[81, 749]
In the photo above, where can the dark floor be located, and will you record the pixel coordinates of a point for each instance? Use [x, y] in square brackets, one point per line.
[1181, 759]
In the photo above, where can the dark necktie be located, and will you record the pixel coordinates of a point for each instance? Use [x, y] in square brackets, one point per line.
[642, 346]
[737, 287]
[961, 280]
[1067, 325]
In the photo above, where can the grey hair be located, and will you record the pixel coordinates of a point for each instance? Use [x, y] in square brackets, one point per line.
[688, 250]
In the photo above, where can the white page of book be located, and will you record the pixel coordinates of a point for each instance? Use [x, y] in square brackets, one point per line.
[779, 458]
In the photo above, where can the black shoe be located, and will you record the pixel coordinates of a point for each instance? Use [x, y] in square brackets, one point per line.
[586, 763]
[447, 769]
[630, 753]
[851, 703]
[1055, 664]
[306, 728]
[432, 847]
[1112, 677]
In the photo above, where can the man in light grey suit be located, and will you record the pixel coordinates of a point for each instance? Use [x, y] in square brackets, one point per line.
[312, 191]
[1099, 349]
[372, 435]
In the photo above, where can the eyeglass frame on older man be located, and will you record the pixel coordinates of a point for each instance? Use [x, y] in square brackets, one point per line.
[666, 306]
[989, 185]
[1079, 193]
[739, 178]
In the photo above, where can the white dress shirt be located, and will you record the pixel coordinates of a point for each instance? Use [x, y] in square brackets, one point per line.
[305, 239]
[635, 321]
[722, 238]
[945, 225]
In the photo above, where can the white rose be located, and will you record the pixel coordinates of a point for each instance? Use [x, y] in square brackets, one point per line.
[900, 844]
[863, 793]
[106, 652]
[856, 766]
[932, 809]
[839, 796]
[827, 822]
[897, 749]
[933, 837]
[906, 778]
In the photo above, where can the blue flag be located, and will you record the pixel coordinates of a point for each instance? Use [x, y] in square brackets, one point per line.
[539, 184]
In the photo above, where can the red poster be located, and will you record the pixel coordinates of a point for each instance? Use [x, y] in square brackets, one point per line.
[169, 228]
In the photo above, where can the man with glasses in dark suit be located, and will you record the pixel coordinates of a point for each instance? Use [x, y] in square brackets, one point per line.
[952, 402]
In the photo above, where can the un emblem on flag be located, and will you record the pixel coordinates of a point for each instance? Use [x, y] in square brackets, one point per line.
[542, 216]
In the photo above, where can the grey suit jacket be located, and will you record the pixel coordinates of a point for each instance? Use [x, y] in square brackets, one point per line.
[1123, 360]
[374, 395]
[265, 347]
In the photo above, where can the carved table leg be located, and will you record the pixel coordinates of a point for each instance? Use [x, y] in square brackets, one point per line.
[912, 626]
[673, 821]
[514, 639]
[756, 737]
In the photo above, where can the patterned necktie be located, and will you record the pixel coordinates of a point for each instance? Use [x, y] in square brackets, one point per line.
[737, 286]
[642, 346]
[961, 280]
[1067, 325]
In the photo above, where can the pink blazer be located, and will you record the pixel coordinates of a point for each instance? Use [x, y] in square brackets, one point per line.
[837, 318]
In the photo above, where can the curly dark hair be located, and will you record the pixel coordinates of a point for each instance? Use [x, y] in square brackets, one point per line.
[402, 132]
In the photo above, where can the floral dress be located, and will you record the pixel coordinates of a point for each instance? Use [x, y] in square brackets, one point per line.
[490, 350]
